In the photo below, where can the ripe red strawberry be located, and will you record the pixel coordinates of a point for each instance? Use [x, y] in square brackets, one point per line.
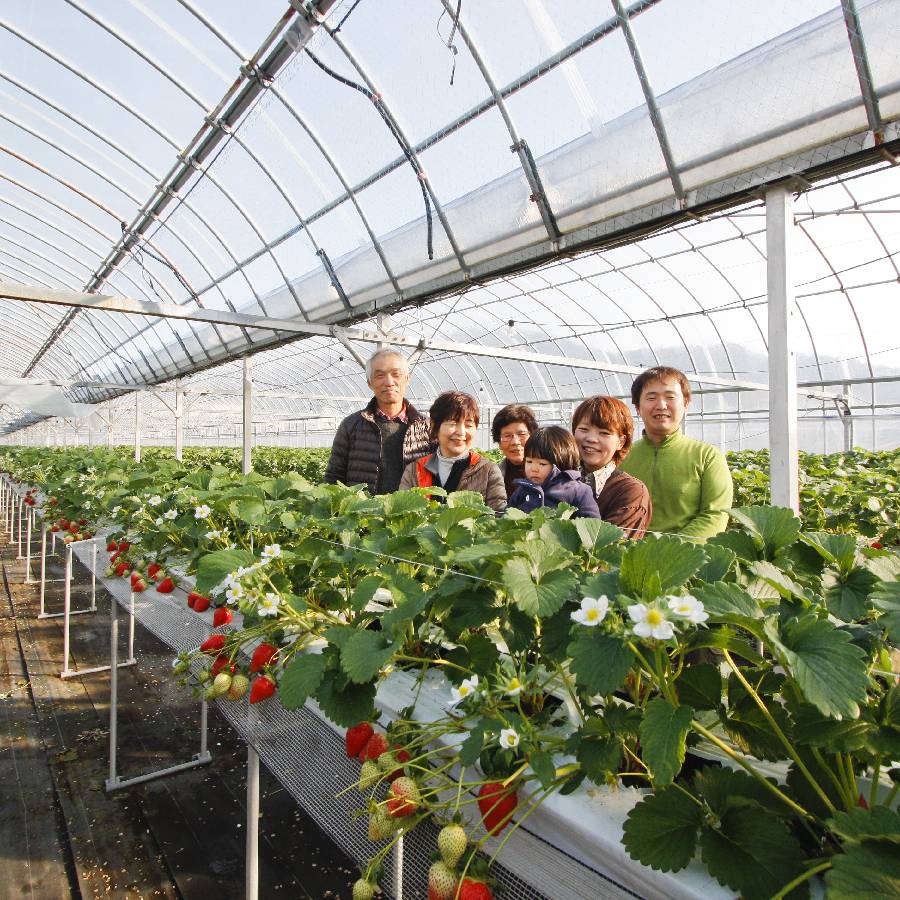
[222, 663]
[54, 528]
[153, 568]
[213, 644]
[441, 882]
[139, 585]
[166, 586]
[111, 547]
[356, 738]
[123, 569]
[201, 604]
[124, 545]
[222, 616]
[403, 798]
[262, 656]
[262, 688]
[192, 598]
[876, 545]
[63, 523]
[497, 803]
[375, 746]
[82, 521]
[73, 527]
[470, 889]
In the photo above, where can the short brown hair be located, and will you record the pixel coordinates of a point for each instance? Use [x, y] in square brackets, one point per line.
[556, 445]
[514, 412]
[451, 406]
[659, 373]
[609, 413]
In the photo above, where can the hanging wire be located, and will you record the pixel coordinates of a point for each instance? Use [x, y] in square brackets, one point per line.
[449, 42]
[407, 150]
[347, 16]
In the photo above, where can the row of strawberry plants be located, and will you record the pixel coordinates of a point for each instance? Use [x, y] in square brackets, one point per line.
[568, 655]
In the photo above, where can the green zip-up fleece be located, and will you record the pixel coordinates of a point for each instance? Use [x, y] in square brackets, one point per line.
[689, 483]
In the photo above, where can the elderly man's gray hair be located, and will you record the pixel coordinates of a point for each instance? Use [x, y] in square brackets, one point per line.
[373, 359]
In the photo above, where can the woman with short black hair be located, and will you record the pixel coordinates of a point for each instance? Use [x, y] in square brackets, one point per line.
[454, 466]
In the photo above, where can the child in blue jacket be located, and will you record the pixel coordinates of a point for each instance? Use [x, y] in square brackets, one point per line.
[552, 475]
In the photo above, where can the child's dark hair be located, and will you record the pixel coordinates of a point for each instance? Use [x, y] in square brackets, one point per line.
[556, 445]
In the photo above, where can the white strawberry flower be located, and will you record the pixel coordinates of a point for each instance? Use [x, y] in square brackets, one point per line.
[268, 606]
[116, 510]
[242, 571]
[212, 535]
[509, 738]
[593, 611]
[468, 688]
[688, 608]
[202, 511]
[650, 622]
[155, 500]
[234, 593]
[158, 521]
[170, 514]
[271, 551]
[513, 687]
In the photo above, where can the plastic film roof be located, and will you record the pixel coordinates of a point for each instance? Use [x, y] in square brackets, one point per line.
[577, 179]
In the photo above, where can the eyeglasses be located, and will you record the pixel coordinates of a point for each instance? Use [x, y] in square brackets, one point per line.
[520, 436]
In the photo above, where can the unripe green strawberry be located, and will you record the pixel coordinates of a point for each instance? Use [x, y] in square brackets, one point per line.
[222, 683]
[364, 890]
[239, 685]
[441, 882]
[209, 694]
[368, 775]
[452, 841]
[381, 825]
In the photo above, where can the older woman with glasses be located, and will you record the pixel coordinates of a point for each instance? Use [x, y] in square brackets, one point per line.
[511, 428]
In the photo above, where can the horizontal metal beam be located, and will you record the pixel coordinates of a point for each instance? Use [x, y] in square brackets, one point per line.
[11, 291]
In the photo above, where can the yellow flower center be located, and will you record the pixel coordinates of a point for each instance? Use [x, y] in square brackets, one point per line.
[655, 617]
[591, 615]
[514, 684]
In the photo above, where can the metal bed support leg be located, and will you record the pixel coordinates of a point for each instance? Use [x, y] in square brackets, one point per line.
[398, 869]
[67, 613]
[94, 576]
[251, 891]
[41, 614]
[19, 530]
[29, 516]
[115, 781]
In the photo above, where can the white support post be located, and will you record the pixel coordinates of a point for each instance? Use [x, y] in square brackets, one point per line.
[41, 614]
[67, 612]
[19, 529]
[783, 460]
[179, 421]
[29, 518]
[398, 868]
[137, 426]
[247, 464]
[251, 889]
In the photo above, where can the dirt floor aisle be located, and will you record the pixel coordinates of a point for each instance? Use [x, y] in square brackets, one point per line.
[62, 835]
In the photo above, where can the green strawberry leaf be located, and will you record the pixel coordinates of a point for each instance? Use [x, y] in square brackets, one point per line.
[661, 830]
[212, 568]
[345, 703]
[725, 601]
[596, 534]
[542, 766]
[600, 661]
[813, 729]
[657, 565]
[772, 528]
[836, 549]
[250, 511]
[867, 871]
[846, 595]
[751, 852]
[885, 597]
[724, 789]
[403, 503]
[479, 552]
[364, 592]
[300, 679]
[829, 670]
[600, 758]
[700, 686]
[537, 583]
[365, 654]
[857, 825]
[663, 732]
[719, 561]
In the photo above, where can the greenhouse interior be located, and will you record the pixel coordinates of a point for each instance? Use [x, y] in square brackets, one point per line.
[494, 409]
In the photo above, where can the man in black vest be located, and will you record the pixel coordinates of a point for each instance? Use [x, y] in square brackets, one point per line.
[375, 444]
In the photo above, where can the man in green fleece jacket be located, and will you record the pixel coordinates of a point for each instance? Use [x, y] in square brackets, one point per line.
[689, 482]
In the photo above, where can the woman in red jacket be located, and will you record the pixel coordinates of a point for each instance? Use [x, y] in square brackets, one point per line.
[454, 466]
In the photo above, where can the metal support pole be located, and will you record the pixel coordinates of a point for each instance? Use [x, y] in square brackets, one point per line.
[247, 465]
[847, 419]
[204, 721]
[251, 891]
[93, 576]
[179, 415]
[67, 614]
[398, 868]
[29, 517]
[113, 688]
[137, 427]
[19, 529]
[41, 614]
[783, 462]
